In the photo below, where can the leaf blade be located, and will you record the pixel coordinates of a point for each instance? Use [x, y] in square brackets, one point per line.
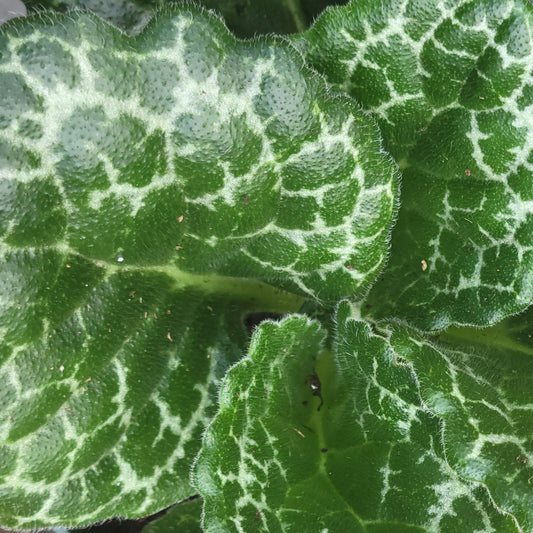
[448, 85]
[481, 390]
[137, 231]
[371, 456]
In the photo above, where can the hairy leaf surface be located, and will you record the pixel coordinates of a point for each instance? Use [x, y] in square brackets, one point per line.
[150, 188]
[480, 383]
[451, 86]
[246, 18]
[129, 16]
[370, 459]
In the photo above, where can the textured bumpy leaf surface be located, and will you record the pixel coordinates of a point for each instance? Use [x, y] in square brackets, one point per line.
[182, 518]
[246, 18]
[480, 383]
[451, 86]
[148, 189]
[129, 16]
[370, 460]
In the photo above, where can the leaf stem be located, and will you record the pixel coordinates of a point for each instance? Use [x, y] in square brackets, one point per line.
[295, 7]
[495, 337]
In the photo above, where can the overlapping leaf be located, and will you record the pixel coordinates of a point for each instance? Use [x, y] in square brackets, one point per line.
[451, 85]
[127, 15]
[230, 153]
[182, 518]
[246, 18]
[370, 459]
[480, 383]
[149, 187]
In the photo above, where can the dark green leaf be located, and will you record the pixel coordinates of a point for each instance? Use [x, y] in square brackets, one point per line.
[245, 18]
[370, 460]
[480, 383]
[450, 84]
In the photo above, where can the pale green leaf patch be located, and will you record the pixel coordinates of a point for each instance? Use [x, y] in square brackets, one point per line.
[451, 86]
[336, 441]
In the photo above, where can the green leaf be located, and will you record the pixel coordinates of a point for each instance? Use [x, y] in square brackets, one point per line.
[103, 412]
[480, 383]
[182, 518]
[245, 18]
[151, 187]
[231, 153]
[129, 16]
[367, 458]
[450, 84]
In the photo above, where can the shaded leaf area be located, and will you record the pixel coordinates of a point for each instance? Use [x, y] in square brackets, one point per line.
[245, 18]
[369, 459]
[480, 383]
[182, 518]
[451, 86]
[149, 187]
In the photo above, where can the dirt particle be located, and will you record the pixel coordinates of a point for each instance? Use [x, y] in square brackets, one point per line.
[350, 267]
[468, 172]
[258, 515]
[245, 201]
[299, 432]
[324, 450]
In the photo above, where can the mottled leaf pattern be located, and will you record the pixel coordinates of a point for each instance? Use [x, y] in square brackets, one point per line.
[150, 186]
[480, 383]
[230, 153]
[160, 189]
[450, 83]
[128, 15]
[370, 459]
[245, 18]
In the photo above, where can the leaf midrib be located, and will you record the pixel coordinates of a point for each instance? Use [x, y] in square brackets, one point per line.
[258, 295]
